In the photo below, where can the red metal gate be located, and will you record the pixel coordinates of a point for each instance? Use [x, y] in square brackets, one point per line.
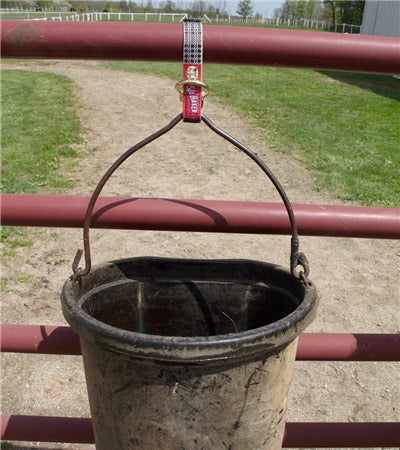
[247, 46]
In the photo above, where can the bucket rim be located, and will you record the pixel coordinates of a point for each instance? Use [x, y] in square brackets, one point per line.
[265, 339]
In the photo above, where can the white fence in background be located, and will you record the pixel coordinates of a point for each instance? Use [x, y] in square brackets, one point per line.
[311, 24]
[126, 17]
[97, 16]
[294, 23]
[53, 18]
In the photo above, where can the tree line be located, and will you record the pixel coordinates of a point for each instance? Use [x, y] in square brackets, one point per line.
[334, 11]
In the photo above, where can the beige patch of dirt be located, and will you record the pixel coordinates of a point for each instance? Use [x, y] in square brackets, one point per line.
[358, 279]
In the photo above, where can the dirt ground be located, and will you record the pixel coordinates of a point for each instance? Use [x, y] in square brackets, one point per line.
[358, 279]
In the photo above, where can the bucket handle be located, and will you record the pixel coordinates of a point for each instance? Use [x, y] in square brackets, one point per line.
[297, 258]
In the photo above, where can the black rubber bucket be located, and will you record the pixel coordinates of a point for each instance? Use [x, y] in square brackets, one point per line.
[188, 354]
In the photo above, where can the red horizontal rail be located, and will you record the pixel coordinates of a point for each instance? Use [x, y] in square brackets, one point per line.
[334, 434]
[200, 215]
[46, 429]
[348, 347]
[311, 347]
[300, 435]
[163, 42]
[43, 339]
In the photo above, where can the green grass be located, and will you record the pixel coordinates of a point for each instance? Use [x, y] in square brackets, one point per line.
[342, 126]
[4, 15]
[39, 127]
[12, 238]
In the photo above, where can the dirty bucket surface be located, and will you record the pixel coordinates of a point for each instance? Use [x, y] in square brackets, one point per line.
[188, 353]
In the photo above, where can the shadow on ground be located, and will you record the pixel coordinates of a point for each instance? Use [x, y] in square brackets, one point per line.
[384, 85]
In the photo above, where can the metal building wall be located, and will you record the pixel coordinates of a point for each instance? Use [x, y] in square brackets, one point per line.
[381, 17]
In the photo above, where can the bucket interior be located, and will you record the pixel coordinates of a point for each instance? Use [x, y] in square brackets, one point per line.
[188, 307]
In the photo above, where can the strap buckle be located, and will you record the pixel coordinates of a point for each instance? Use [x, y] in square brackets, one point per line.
[191, 88]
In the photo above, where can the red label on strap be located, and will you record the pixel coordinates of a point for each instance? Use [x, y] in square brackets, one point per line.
[192, 97]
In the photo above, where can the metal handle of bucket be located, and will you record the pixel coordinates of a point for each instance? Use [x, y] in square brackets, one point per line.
[297, 258]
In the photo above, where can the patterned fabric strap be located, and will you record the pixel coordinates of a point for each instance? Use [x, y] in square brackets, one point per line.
[192, 69]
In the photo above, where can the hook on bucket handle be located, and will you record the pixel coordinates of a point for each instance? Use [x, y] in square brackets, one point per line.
[297, 258]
